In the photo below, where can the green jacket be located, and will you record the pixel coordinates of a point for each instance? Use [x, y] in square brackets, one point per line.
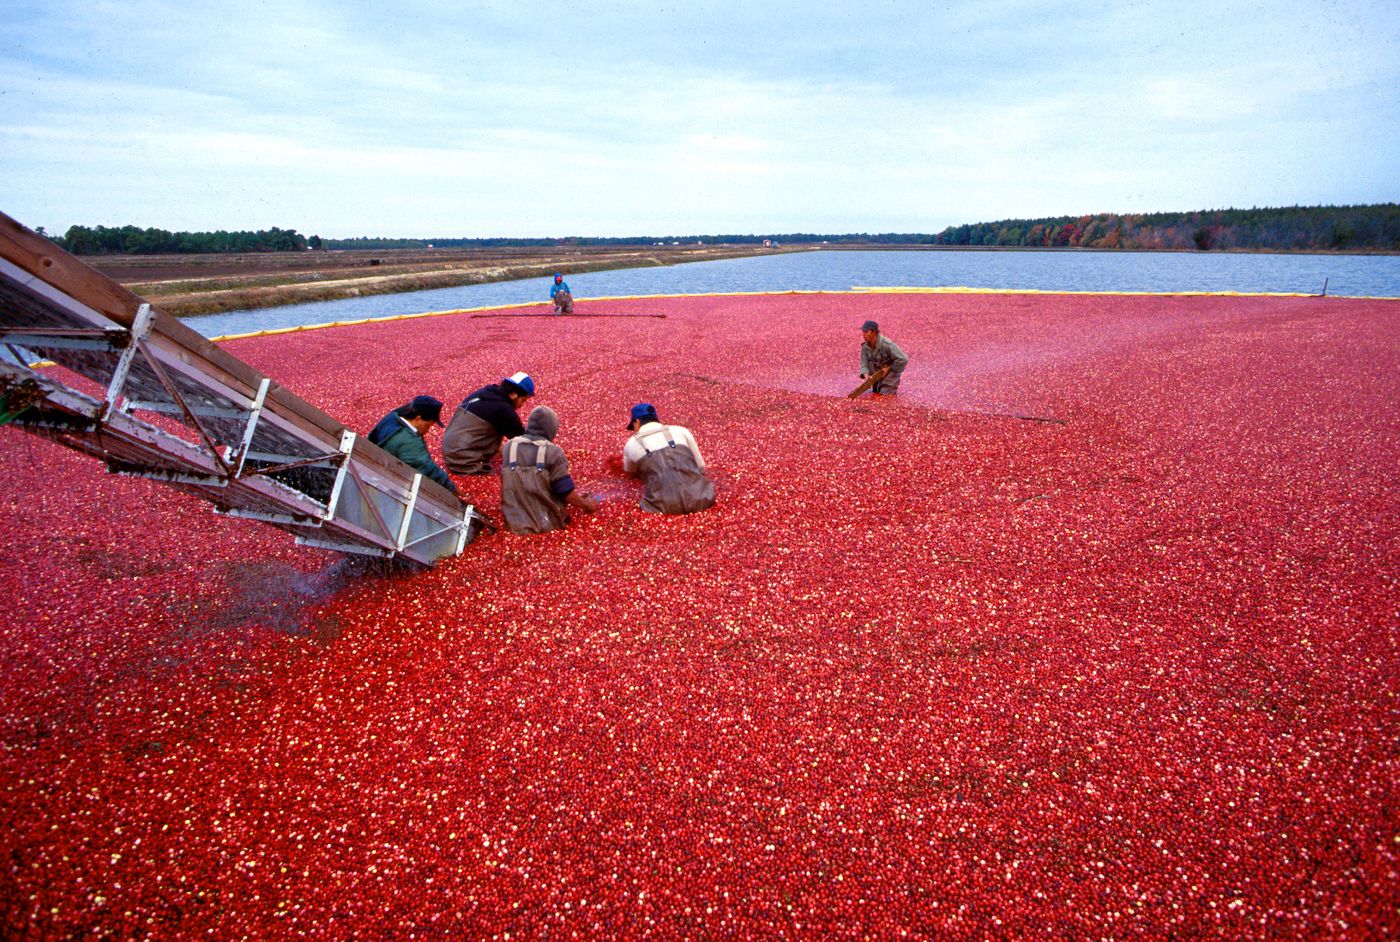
[408, 446]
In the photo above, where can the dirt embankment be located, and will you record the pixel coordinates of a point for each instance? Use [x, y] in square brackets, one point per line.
[207, 284]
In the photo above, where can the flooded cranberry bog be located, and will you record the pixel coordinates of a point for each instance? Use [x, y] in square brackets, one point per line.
[1091, 633]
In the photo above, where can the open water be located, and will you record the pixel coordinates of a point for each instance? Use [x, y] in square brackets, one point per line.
[835, 270]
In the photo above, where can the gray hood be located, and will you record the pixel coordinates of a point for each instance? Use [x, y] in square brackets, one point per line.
[542, 422]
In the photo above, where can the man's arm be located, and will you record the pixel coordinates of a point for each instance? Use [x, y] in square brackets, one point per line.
[695, 449]
[503, 418]
[562, 484]
[413, 451]
[900, 360]
[632, 452]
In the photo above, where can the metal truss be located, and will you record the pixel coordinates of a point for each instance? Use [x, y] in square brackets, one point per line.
[152, 398]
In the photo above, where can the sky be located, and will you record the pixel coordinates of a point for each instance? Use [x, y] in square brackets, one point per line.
[345, 118]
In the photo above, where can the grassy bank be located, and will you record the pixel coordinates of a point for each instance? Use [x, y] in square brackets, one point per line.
[185, 285]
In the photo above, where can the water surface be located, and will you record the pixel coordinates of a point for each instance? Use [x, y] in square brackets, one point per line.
[836, 270]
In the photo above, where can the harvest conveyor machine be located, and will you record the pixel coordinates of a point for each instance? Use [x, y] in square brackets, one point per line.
[152, 398]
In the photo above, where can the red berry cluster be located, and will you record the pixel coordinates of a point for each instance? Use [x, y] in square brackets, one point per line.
[1090, 633]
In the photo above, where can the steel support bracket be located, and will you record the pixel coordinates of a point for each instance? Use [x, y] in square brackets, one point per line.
[140, 327]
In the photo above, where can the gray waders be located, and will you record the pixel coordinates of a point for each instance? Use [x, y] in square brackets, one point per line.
[674, 482]
[468, 443]
[528, 503]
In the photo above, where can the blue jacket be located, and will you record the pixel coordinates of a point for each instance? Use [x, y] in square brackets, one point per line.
[560, 286]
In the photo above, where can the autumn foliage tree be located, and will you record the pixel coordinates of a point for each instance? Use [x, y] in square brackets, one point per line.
[1375, 227]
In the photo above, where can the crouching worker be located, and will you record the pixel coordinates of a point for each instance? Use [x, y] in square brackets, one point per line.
[668, 461]
[536, 489]
[563, 297]
[402, 432]
[481, 421]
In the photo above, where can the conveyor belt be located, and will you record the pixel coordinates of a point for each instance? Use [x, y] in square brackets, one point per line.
[150, 397]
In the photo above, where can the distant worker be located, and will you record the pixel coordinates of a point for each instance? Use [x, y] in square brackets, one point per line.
[563, 297]
[536, 488]
[402, 432]
[667, 459]
[879, 353]
[481, 421]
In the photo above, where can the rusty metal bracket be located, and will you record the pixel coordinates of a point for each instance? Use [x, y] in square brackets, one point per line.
[16, 398]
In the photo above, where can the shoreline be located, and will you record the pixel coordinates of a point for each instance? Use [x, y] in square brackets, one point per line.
[193, 285]
[187, 286]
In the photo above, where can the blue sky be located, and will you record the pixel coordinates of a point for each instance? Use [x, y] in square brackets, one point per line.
[529, 118]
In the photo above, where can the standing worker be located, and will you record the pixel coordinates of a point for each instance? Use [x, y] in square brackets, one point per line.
[667, 459]
[402, 432]
[536, 488]
[482, 420]
[881, 353]
[562, 296]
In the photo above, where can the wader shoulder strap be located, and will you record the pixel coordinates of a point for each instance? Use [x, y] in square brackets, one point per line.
[670, 440]
[513, 452]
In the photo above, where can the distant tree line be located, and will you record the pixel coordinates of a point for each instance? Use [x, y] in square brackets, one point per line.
[131, 240]
[1361, 228]
[1290, 227]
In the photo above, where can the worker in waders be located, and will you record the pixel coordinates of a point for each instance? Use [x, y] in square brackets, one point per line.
[402, 433]
[536, 488]
[563, 298]
[667, 459]
[881, 353]
[482, 420]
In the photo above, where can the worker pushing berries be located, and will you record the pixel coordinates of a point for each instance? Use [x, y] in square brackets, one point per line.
[882, 363]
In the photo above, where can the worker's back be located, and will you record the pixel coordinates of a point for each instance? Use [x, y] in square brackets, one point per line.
[675, 482]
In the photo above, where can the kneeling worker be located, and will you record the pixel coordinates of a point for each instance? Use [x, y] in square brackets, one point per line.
[667, 459]
[401, 434]
[536, 488]
[481, 421]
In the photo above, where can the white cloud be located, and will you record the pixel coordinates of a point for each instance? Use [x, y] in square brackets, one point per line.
[488, 119]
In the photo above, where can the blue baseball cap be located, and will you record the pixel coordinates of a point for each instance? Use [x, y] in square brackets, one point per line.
[644, 412]
[521, 381]
[870, 325]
